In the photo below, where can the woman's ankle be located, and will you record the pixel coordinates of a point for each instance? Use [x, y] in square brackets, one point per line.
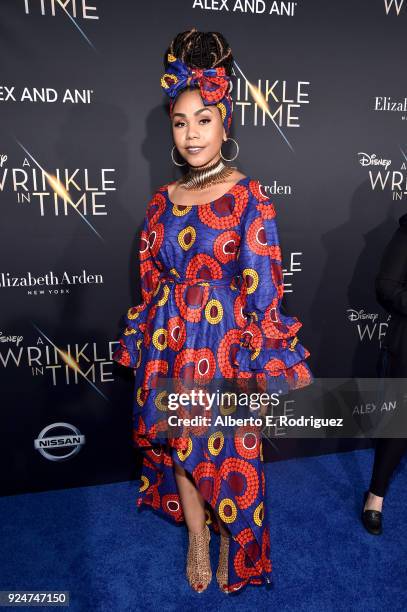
[196, 530]
[373, 502]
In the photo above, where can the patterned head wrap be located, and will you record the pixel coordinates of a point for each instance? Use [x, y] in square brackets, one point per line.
[213, 84]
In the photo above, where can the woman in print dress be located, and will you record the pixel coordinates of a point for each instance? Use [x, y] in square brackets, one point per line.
[212, 286]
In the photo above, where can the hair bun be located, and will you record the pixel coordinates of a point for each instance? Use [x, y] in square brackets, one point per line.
[201, 50]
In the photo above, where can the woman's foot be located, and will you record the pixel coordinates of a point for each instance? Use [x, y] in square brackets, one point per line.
[199, 572]
[222, 571]
[372, 513]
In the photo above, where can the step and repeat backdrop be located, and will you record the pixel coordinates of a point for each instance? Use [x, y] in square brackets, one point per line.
[86, 139]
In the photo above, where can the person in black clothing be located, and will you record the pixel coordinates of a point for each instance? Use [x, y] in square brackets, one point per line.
[391, 293]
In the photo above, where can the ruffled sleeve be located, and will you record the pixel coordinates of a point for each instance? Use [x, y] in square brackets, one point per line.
[135, 320]
[269, 347]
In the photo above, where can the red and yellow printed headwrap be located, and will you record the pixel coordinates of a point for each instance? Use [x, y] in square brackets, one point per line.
[213, 83]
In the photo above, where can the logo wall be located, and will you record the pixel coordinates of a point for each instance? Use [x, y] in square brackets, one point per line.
[63, 192]
[59, 442]
[368, 324]
[383, 177]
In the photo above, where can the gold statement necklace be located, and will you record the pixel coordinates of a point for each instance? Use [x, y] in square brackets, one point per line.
[200, 177]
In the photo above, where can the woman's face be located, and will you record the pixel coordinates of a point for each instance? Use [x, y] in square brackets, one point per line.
[196, 126]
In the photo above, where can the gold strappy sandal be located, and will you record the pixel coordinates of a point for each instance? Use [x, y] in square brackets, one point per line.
[222, 571]
[199, 572]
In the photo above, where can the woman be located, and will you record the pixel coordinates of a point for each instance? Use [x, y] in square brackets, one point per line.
[391, 293]
[212, 285]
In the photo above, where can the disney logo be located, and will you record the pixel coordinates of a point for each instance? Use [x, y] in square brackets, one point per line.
[16, 339]
[355, 315]
[373, 160]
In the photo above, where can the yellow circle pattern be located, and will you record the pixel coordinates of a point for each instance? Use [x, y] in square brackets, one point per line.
[222, 109]
[161, 402]
[132, 315]
[227, 518]
[217, 435]
[145, 483]
[258, 514]
[255, 353]
[164, 299]
[183, 454]
[129, 331]
[138, 397]
[160, 345]
[255, 277]
[180, 212]
[219, 308]
[187, 230]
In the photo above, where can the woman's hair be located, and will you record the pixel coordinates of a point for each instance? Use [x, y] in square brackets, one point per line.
[201, 50]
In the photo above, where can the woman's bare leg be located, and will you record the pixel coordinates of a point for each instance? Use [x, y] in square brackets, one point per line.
[199, 571]
[192, 501]
[193, 504]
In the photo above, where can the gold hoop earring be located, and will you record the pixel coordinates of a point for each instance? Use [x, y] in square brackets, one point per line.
[172, 157]
[237, 150]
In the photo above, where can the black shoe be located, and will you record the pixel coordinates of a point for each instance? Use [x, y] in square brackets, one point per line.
[371, 519]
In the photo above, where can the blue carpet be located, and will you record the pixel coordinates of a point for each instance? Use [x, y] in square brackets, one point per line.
[93, 542]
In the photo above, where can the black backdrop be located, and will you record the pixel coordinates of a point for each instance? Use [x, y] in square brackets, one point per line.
[80, 94]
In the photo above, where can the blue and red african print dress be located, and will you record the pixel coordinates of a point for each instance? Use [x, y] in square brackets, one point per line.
[212, 286]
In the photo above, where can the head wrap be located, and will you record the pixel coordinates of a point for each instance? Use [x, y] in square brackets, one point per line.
[213, 84]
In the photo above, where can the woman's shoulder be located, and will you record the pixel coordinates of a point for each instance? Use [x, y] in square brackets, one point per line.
[163, 187]
[258, 190]
[157, 194]
[259, 203]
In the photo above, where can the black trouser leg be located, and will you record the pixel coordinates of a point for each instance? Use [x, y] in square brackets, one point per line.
[388, 454]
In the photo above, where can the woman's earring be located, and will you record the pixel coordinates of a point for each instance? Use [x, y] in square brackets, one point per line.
[237, 150]
[172, 157]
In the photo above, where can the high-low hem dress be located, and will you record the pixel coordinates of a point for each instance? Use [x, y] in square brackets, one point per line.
[212, 286]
